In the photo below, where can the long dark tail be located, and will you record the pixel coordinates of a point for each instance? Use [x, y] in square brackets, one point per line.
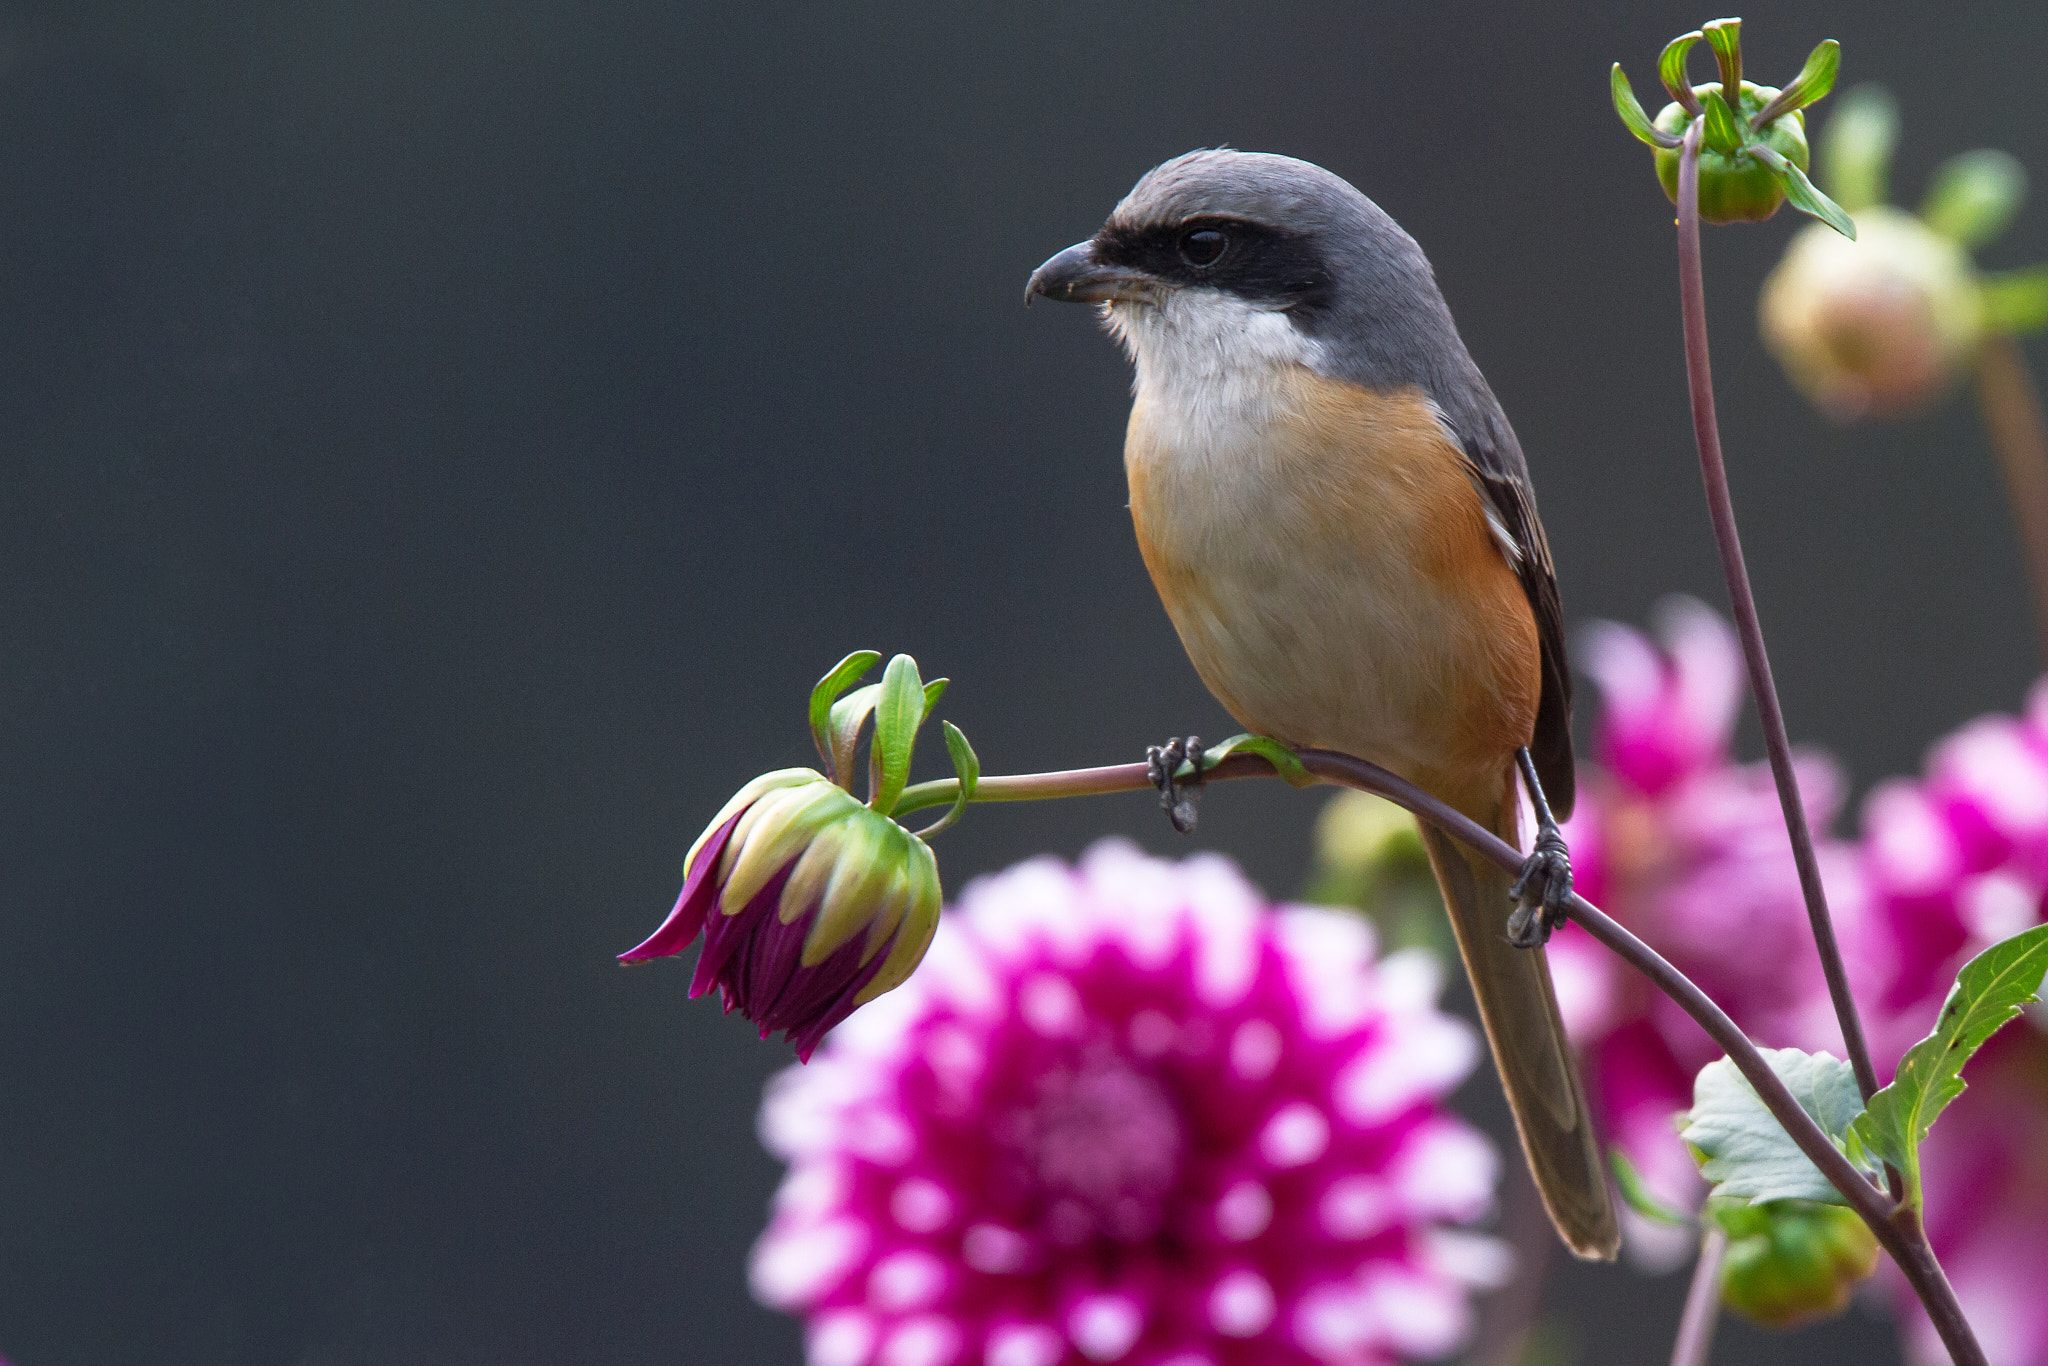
[1519, 1010]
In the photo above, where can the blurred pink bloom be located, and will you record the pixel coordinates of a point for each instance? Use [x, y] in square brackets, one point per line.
[1955, 862]
[1688, 849]
[1127, 1112]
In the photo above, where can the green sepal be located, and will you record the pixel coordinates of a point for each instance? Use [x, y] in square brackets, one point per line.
[1791, 1261]
[968, 767]
[2016, 301]
[1856, 147]
[1746, 1153]
[1801, 194]
[1638, 1196]
[1272, 751]
[848, 715]
[836, 681]
[1990, 990]
[1812, 83]
[933, 691]
[1725, 37]
[1724, 132]
[1974, 196]
[898, 713]
[1630, 111]
[1671, 71]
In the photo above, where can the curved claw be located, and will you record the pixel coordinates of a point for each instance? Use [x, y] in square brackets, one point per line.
[1177, 797]
[1542, 892]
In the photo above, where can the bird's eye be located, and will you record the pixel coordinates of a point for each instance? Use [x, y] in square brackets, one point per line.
[1203, 247]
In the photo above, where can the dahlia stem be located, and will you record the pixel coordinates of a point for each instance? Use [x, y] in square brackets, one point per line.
[1692, 294]
[1896, 1228]
[2011, 407]
[1702, 1301]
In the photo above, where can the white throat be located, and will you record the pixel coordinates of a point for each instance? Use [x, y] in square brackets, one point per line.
[1209, 363]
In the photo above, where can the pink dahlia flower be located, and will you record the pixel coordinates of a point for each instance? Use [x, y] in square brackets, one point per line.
[1688, 849]
[1957, 861]
[1127, 1112]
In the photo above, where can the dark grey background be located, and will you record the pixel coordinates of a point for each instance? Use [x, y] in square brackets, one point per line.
[443, 441]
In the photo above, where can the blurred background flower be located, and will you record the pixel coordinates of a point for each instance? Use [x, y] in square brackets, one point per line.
[1129, 1112]
[1688, 849]
[1954, 861]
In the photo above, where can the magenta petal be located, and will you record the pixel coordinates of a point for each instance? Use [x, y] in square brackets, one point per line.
[764, 968]
[699, 894]
[726, 936]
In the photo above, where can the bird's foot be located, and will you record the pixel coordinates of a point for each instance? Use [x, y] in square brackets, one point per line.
[1176, 798]
[1543, 891]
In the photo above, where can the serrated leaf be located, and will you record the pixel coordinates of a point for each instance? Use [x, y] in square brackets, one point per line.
[1724, 131]
[898, 713]
[1742, 1148]
[1637, 1195]
[835, 682]
[1990, 990]
[2016, 301]
[1974, 195]
[967, 766]
[1671, 70]
[843, 726]
[1813, 82]
[1272, 751]
[1725, 37]
[1855, 152]
[1631, 112]
[933, 691]
[1801, 194]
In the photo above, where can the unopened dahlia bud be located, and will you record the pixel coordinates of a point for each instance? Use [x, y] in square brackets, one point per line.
[1879, 326]
[1790, 1262]
[810, 901]
[1751, 138]
[1735, 186]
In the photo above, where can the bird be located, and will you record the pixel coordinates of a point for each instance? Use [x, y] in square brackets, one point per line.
[1340, 523]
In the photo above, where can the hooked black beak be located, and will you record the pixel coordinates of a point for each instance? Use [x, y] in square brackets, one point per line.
[1075, 276]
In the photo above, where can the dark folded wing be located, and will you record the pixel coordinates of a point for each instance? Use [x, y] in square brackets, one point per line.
[1501, 475]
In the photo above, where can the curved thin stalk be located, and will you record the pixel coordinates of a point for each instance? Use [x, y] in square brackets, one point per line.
[1896, 1228]
[1692, 294]
[1702, 1301]
[2011, 407]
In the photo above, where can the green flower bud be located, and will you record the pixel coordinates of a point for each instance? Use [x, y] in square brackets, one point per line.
[1735, 186]
[1791, 1261]
[1369, 856]
[1879, 326]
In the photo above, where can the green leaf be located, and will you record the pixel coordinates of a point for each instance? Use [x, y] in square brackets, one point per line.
[968, 767]
[1273, 752]
[1814, 81]
[843, 727]
[835, 682]
[933, 691]
[1743, 1149]
[898, 713]
[1724, 130]
[1801, 194]
[1856, 147]
[1974, 196]
[1639, 1197]
[2016, 301]
[1725, 37]
[1991, 989]
[1631, 111]
[1671, 70]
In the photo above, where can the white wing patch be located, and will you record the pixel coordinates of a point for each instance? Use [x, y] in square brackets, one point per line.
[1510, 548]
